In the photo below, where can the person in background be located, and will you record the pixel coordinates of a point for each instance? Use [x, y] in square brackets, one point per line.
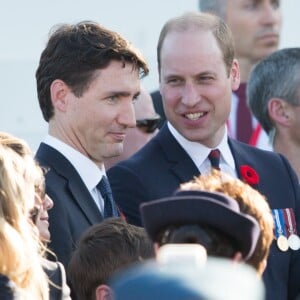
[196, 85]
[103, 250]
[19, 238]
[250, 202]
[196, 255]
[274, 99]
[55, 271]
[158, 106]
[87, 81]
[210, 221]
[217, 279]
[59, 289]
[255, 26]
[147, 121]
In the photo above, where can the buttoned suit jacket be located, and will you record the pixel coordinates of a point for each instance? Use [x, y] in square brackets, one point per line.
[159, 168]
[74, 208]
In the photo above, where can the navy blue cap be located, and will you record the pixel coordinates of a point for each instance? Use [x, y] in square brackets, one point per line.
[206, 208]
[150, 281]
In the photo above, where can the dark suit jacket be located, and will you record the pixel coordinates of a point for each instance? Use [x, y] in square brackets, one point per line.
[159, 167]
[8, 289]
[74, 209]
[59, 290]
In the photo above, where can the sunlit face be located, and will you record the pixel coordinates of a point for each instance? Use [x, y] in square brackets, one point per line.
[43, 203]
[96, 123]
[136, 138]
[195, 85]
[255, 25]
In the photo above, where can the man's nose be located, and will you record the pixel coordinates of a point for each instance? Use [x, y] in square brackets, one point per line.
[127, 114]
[190, 95]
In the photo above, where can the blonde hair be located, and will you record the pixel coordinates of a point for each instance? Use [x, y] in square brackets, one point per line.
[250, 201]
[20, 247]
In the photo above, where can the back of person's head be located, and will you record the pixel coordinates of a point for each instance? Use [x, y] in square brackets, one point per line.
[250, 201]
[216, 7]
[216, 242]
[151, 280]
[104, 249]
[19, 239]
[210, 220]
[277, 76]
[17, 144]
[199, 22]
[73, 54]
[217, 279]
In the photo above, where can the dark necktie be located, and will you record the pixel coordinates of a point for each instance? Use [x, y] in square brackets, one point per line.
[214, 157]
[110, 209]
[244, 119]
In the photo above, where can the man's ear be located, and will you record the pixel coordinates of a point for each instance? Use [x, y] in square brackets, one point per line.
[279, 111]
[59, 91]
[104, 292]
[237, 257]
[235, 75]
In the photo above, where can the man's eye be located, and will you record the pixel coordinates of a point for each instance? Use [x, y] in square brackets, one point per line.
[276, 4]
[112, 98]
[173, 81]
[251, 5]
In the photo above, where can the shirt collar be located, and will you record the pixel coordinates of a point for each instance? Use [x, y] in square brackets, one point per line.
[89, 172]
[199, 152]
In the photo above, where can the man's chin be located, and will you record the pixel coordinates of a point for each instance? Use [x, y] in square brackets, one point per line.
[114, 150]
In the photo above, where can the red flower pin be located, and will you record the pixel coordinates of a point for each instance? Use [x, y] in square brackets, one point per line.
[249, 175]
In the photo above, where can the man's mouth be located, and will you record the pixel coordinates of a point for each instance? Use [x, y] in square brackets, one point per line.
[194, 116]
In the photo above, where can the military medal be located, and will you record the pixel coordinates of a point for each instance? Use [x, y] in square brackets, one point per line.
[282, 241]
[293, 239]
[294, 242]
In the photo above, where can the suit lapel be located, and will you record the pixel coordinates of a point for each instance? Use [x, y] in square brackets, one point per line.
[53, 159]
[180, 162]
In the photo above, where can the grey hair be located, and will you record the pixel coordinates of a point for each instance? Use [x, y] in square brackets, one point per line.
[276, 76]
[216, 7]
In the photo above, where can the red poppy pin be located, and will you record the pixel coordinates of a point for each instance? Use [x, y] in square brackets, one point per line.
[249, 175]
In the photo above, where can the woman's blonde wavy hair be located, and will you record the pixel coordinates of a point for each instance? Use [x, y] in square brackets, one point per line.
[20, 246]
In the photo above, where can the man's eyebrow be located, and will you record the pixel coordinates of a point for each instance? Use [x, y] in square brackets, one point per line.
[122, 93]
[205, 73]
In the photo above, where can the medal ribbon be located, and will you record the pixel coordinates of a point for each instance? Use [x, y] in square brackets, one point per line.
[289, 219]
[279, 222]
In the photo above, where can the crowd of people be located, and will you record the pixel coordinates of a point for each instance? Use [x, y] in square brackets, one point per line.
[123, 202]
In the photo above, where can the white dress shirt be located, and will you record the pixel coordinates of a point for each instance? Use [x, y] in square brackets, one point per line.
[199, 153]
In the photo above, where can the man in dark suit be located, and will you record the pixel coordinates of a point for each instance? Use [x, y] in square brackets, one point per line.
[196, 82]
[87, 79]
[255, 27]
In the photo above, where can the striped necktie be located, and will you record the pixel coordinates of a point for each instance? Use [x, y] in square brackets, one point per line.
[110, 209]
[214, 157]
